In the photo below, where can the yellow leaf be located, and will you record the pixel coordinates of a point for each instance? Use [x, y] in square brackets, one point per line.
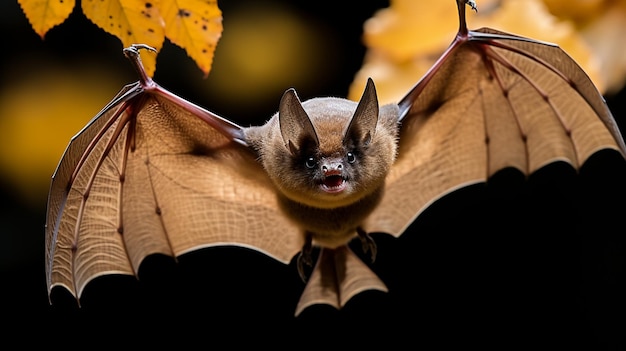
[132, 21]
[194, 25]
[45, 14]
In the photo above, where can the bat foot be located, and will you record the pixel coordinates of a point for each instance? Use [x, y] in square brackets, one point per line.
[305, 257]
[367, 243]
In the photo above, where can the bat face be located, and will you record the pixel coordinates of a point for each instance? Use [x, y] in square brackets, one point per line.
[323, 172]
[328, 153]
[328, 158]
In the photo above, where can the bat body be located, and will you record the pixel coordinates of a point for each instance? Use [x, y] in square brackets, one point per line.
[153, 173]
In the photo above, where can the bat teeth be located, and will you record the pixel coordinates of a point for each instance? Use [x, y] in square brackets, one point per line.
[334, 183]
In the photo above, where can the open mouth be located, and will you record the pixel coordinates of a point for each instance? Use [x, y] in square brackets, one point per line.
[333, 184]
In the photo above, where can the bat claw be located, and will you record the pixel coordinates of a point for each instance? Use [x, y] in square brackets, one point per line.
[368, 244]
[134, 49]
[472, 4]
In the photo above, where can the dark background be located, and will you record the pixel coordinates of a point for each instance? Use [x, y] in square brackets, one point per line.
[536, 262]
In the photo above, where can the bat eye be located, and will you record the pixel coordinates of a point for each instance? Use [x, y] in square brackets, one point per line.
[310, 163]
[351, 158]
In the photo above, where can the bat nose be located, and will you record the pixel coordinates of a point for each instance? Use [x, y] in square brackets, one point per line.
[331, 167]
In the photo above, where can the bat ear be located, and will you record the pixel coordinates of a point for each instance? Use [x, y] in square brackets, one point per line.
[295, 124]
[363, 123]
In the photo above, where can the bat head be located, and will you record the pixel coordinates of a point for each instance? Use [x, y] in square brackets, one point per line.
[335, 151]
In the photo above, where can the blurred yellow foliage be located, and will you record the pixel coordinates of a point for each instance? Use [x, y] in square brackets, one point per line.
[405, 39]
[410, 28]
[577, 10]
[268, 49]
[40, 113]
[603, 27]
[194, 25]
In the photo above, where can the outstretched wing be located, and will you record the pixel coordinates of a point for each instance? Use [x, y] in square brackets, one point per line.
[493, 100]
[153, 173]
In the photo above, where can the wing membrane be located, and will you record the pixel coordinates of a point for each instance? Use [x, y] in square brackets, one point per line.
[493, 100]
[151, 175]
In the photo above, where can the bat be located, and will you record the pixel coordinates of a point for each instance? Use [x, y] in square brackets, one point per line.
[153, 173]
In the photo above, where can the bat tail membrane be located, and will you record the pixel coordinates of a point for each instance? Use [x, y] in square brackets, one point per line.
[338, 275]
